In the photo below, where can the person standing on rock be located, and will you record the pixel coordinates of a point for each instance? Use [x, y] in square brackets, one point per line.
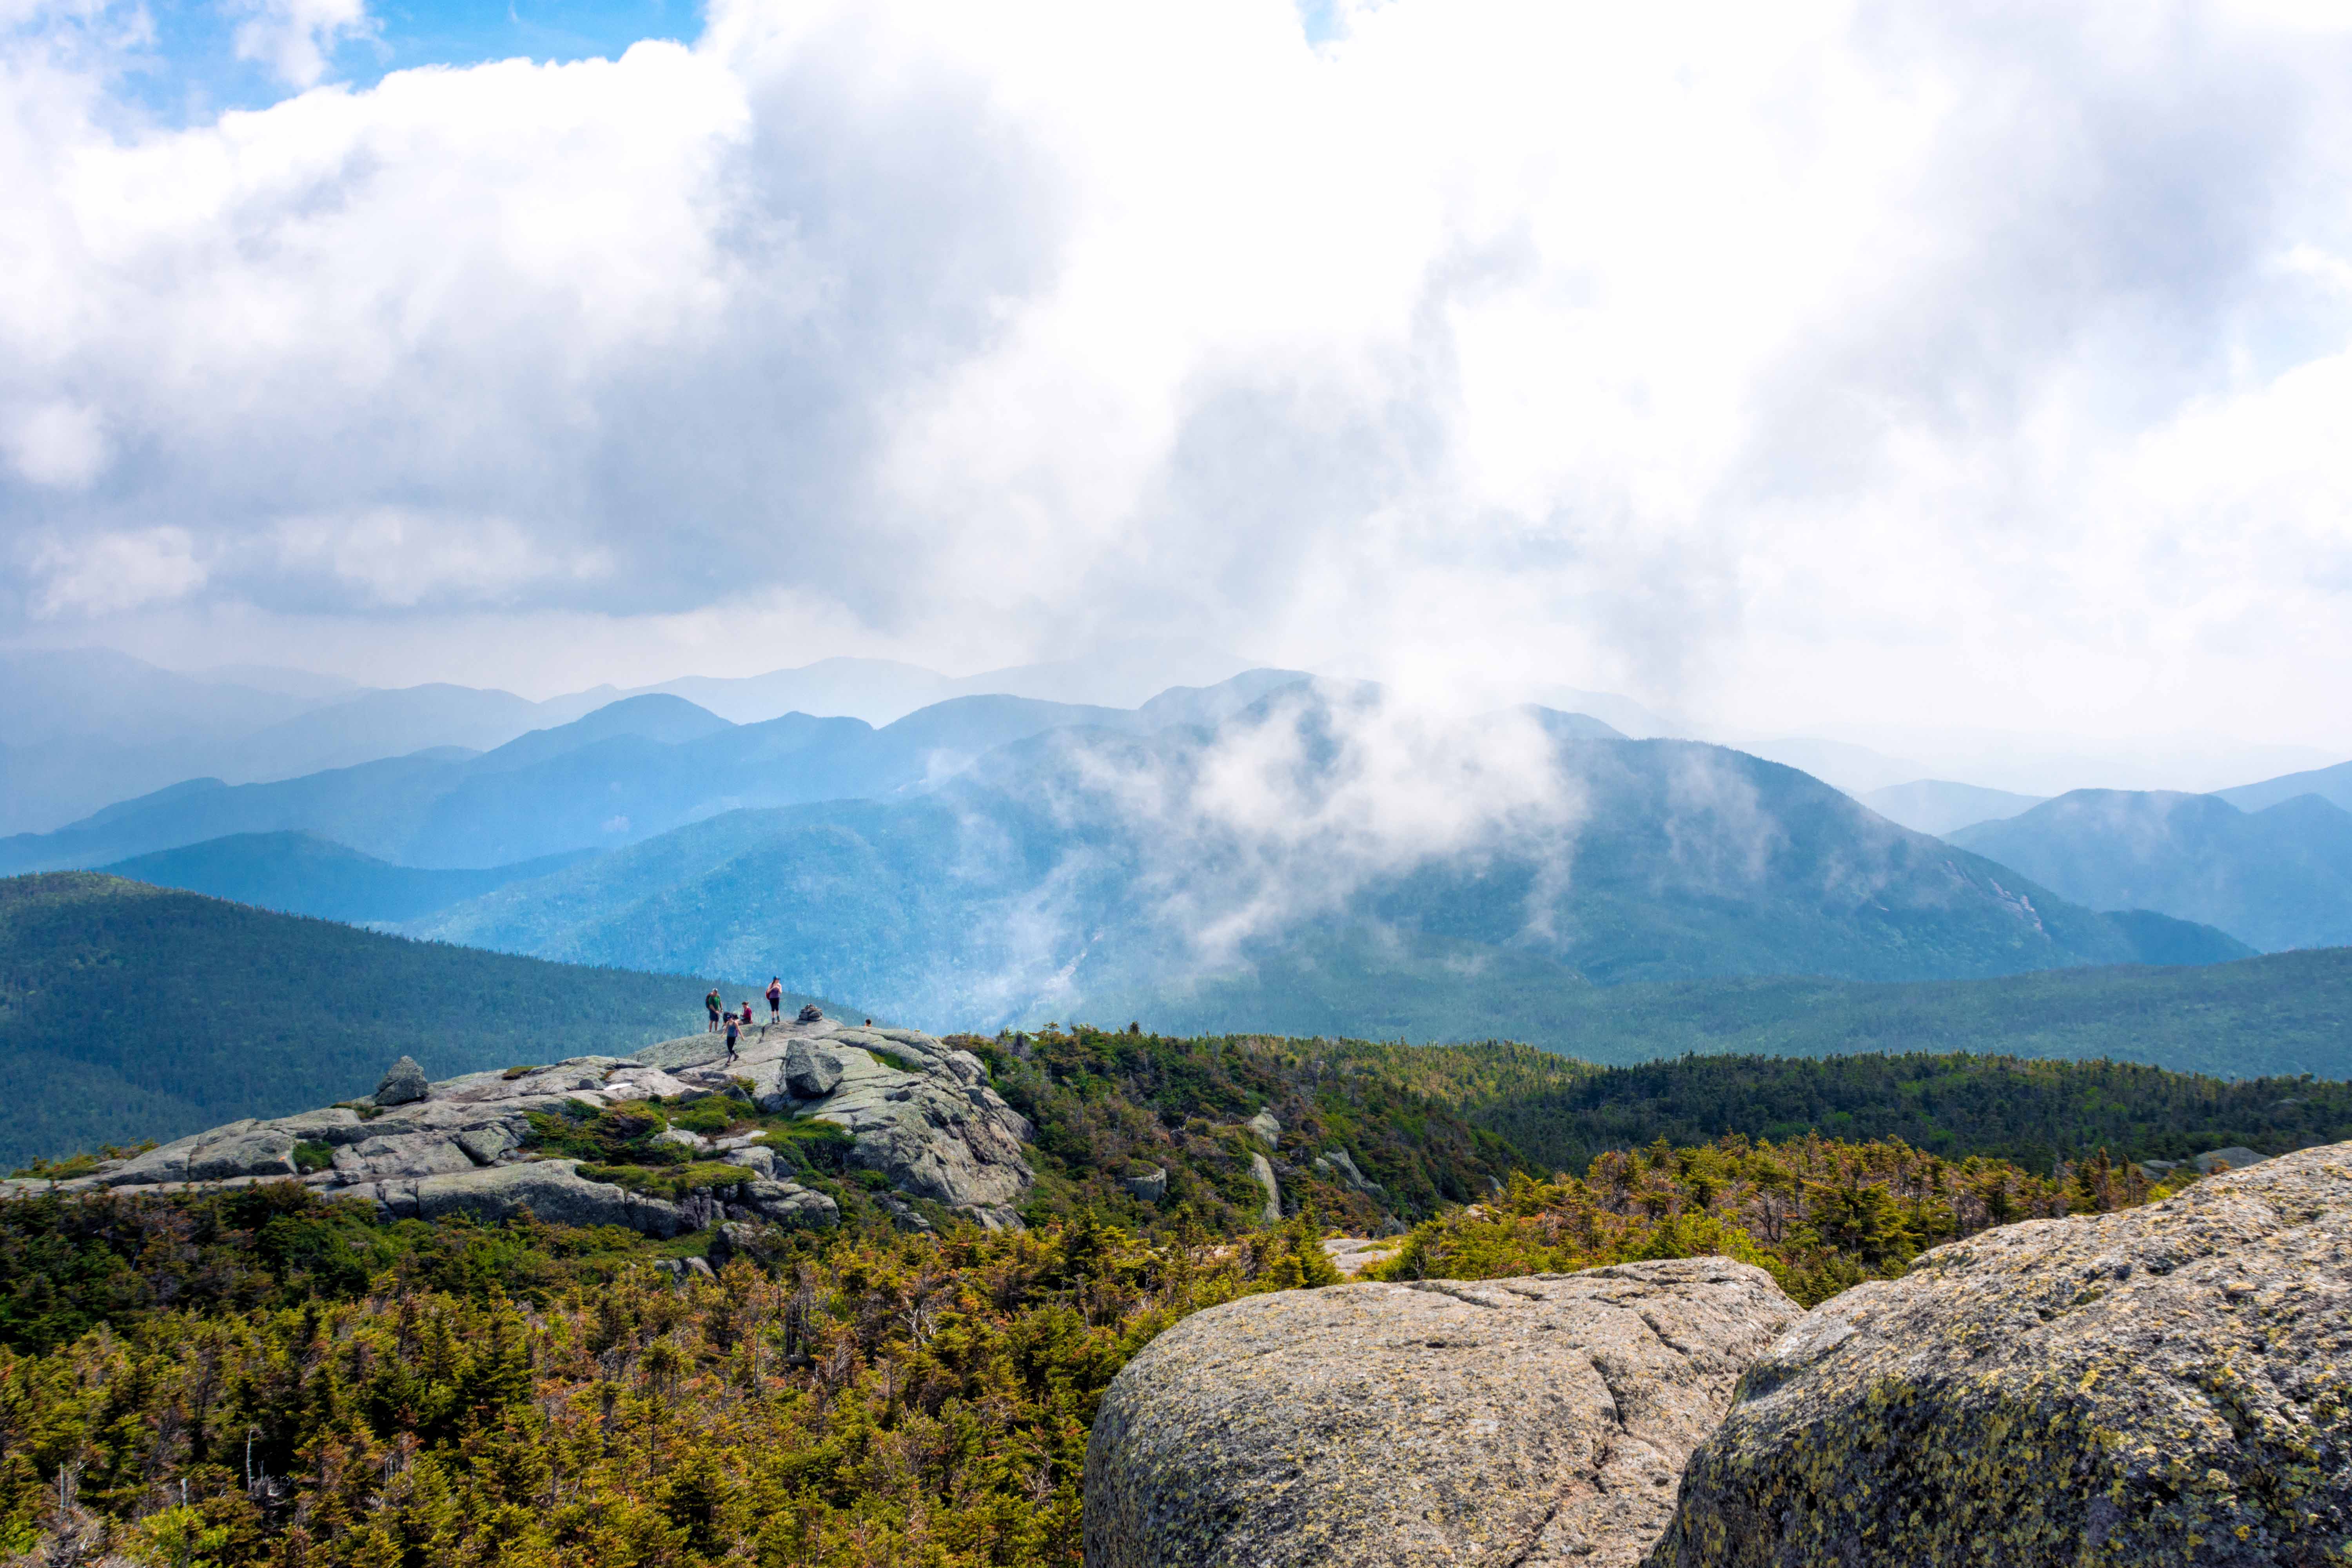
[711, 1002]
[730, 1033]
[775, 999]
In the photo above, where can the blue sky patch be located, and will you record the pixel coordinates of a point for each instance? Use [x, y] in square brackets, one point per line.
[191, 72]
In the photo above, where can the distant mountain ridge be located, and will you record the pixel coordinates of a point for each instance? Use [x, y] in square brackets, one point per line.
[2277, 878]
[303, 874]
[630, 769]
[1310, 835]
[2331, 784]
[1939, 805]
[87, 727]
[81, 728]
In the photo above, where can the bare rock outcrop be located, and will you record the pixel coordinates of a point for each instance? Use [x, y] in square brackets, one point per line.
[918, 1110]
[1540, 1421]
[240, 1149]
[2171, 1384]
[789, 1205]
[553, 1190]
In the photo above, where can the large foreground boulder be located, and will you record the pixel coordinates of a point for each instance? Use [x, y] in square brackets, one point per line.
[2167, 1384]
[1540, 1421]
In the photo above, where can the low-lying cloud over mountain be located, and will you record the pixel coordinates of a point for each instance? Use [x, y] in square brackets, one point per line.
[1328, 832]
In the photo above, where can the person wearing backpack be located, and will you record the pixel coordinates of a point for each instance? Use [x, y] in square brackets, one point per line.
[711, 1002]
[775, 999]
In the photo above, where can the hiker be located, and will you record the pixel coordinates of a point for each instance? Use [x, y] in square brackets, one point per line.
[747, 1014]
[775, 999]
[730, 1035]
[711, 1002]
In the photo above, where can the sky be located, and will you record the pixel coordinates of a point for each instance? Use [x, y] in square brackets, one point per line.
[1849, 368]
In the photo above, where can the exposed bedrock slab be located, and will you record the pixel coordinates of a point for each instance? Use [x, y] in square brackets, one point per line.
[550, 1189]
[246, 1148]
[2166, 1385]
[408, 1156]
[1540, 1421]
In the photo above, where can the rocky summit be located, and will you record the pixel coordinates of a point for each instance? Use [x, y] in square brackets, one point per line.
[917, 1111]
[1536, 1421]
[2164, 1384]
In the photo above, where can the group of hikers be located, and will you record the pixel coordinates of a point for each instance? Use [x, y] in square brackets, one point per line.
[734, 1026]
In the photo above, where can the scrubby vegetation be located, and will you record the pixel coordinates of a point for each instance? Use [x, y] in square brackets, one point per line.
[1107, 1104]
[266, 1377]
[1818, 1215]
[263, 1377]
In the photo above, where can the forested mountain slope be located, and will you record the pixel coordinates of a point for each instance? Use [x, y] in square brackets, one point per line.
[2288, 1013]
[130, 1012]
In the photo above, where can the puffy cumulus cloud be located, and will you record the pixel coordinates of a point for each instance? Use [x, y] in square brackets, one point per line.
[1815, 360]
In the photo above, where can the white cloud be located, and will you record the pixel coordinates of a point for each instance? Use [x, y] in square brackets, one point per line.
[107, 573]
[294, 38]
[400, 557]
[61, 445]
[1823, 360]
[1297, 805]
